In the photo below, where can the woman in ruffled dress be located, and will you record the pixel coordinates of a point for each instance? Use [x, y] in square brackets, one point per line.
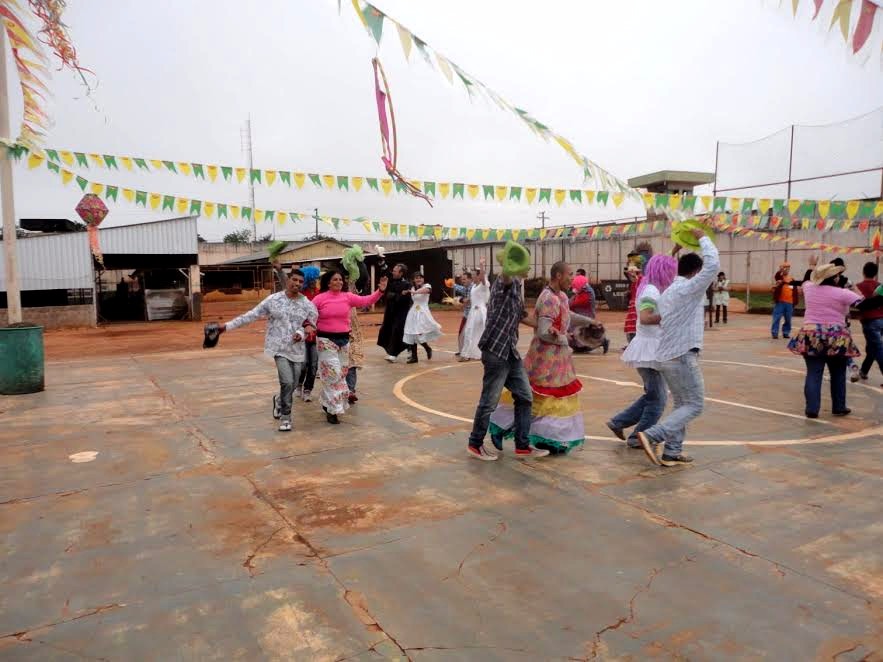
[479, 296]
[557, 419]
[420, 326]
[640, 354]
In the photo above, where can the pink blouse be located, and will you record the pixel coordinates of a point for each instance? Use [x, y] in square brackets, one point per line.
[334, 309]
[827, 304]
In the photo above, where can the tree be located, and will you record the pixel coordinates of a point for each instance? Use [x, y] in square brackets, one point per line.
[238, 237]
[200, 239]
[267, 237]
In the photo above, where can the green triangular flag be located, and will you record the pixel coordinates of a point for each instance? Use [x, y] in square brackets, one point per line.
[807, 209]
[17, 151]
[81, 159]
[222, 210]
[195, 207]
[689, 202]
[429, 188]
[787, 223]
[294, 216]
[285, 176]
[372, 183]
[394, 229]
[866, 210]
[170, 166]
[576, 195]
[110, 162]
[54, 167]
[747, 205]
[343, 183]
[255, 175]
[662, 200]
[838, 209]
[400, 186]
[110, 192]
[336, 223]
[421, 46]
[141, 198]
[373, 21]
[141, 163]
[778, 207]
[515, 193]
[458, 190]
[197, 170]
[227, 172]
[168, 202]
[488, 190]
[545, 194]
[602, 197]
[315, 179]
[246, 212]
[52, 155]
[412, 230]
[376, 226]
[83, 183]
[720, 204]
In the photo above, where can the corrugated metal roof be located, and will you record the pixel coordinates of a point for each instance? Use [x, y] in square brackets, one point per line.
[176, 236]
[53, 262]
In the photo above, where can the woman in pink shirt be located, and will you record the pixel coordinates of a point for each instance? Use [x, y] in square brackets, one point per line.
[824, 338]
[332, 339]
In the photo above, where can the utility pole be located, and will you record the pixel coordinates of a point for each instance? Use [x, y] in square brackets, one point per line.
[10, 252]
[245, 138]
[542, 217]
[316, 218]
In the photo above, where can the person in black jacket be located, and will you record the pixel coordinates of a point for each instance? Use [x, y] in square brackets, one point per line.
[398, 303]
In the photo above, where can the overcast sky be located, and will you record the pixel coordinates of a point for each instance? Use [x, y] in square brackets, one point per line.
[636, 85]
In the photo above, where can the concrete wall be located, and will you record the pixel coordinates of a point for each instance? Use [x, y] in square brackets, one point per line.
[56, 317]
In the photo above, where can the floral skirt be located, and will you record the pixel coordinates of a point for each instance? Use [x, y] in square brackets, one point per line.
[333, 366]
[821, 340]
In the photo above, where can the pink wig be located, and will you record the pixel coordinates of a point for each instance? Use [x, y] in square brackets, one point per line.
[660, 271]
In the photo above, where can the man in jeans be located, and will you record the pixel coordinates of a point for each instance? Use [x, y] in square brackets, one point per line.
[682, 308]
[503, 368]
[784, 299]
[872, 322]
[291, 317]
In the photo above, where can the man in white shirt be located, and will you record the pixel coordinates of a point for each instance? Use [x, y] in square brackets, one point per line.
[682, 307]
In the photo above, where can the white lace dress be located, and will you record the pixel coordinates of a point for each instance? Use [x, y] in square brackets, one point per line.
[420, 326]
[475, 323]
[641, 352]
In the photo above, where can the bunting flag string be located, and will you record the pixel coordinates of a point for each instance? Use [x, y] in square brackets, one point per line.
[683, 204]
[857, 21]
[725, 222]
[373, 20]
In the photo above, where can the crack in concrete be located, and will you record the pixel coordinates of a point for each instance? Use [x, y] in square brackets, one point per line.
[23, 634]
[850, 650]
[622, 620]
[501, 529]
[248, 563]
[458, 648]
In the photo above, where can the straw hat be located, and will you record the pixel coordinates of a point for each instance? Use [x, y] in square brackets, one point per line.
[824, 272]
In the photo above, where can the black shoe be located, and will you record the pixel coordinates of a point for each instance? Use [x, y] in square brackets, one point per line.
[777, 337]
[332, 418]
[786, 337]
[428, 353]
[413, 359]
[842, 412]
[672, 460]
[606, 345]
[810, 414]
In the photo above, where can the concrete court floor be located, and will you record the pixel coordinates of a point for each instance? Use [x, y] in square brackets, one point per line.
[198, 532]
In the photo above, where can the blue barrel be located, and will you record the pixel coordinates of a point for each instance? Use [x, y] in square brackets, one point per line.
[21, 360]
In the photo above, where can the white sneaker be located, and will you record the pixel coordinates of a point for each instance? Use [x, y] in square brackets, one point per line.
[391, 359]
[481, 453]
[854, 375]
[276, 411]
[308, 396]
[299, 391]
[285, 426]
[531, 452]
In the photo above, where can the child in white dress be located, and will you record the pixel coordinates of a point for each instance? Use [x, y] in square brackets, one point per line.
[475, 323]
[420, 327]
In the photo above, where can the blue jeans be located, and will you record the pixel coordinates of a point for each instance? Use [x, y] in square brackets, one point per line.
[873, 330]
[498, 374]
[781, 310]
[646, 410]
[289, 375]
[684, 379]
[812, 387]
[311, 367]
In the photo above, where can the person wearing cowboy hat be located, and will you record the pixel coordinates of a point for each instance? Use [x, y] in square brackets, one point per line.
[824, 338]
[785, 298]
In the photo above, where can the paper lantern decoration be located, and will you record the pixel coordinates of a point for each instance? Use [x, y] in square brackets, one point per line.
[92, 210]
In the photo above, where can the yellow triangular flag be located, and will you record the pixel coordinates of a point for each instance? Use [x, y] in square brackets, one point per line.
[847, 224]
[445, 67]
[240, 174]
[735, 204]
[280, 217]
[157, 165]
[499, 234]
[386, 185]
[793, 206]
[97, 160]
[470, 233]
[405, 38]
[66, 176]
[403, 230]
[565, 144]
[444, 188]
[185, 169]
[417, 184]
[129, 194]
[437, 231]
[270, 176]
[706, 201]
[67, 157]
[590, 196]
[485, 233]
[852, 208]
[878, 208]
[501, 192]
[619, 197]
[473, 190]
[155, 199]
[824, 207]
[212, 172]
[384, 228]
[560, 194]
[234, 209]
[181, 205]
[34, 160]
[299, 179]
[357, 183]
[126, 161]
[259, 215]
[367, 226]
[530, 194]
[516, 234]
[764, 205]
[97, 188]
[328, 181]
[208, 209]
[649, 199]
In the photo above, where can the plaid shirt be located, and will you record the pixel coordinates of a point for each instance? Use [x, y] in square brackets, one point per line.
[504, 312]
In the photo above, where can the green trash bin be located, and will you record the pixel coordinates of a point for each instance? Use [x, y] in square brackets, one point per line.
[21, 360]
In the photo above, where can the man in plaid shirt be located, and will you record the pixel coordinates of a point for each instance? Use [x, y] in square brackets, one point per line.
[503, 368]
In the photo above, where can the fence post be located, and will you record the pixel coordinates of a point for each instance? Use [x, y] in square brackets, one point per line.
[748, 282]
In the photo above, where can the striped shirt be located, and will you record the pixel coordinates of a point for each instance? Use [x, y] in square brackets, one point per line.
[682, 307]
